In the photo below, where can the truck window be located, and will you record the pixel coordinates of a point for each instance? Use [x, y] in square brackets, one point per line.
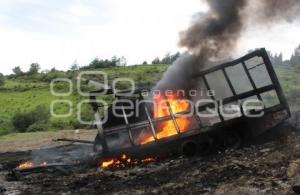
[239, 79]
[218, 83]
[270, 99]
[260, 76]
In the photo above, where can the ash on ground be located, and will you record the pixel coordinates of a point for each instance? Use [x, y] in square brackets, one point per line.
[270, 164]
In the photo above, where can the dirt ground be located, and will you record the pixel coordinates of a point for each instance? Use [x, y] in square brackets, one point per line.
[37, 140]
[268, 165]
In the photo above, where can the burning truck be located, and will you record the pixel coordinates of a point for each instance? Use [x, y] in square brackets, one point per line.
[216, 102]
[229, 103]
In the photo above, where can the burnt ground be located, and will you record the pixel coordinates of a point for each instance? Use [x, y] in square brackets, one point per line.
[267, 165]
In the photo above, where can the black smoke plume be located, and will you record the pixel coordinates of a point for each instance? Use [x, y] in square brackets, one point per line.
[214, 35]
[217, 31]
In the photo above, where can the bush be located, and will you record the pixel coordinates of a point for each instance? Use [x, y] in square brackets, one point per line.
[2, 79]
[99, 63]
[38, 126]
[75, 124]
[59, 124]
[294, 94]
[54, 74]
[22, 121]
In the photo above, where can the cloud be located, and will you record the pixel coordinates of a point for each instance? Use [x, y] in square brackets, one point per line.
[57, 32]
[284, 37]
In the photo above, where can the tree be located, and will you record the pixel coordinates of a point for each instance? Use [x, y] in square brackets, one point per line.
[175, 56]
[145, 63]
[2, 79]
[276, 59]
[99, 63]
[95, 64]
[156, 61]
[17, 71]
[170, 58]
[295, 59]
[74, 66]
[115, 61]
[34, 68]
[166, 59]
[122, 61]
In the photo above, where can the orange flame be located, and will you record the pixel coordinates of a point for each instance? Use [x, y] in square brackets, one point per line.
[168, 128]
[124, 161]
[106, 164]
[26, 165]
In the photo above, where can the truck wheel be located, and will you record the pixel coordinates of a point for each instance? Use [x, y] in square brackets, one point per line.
[188, 148]
[205, 147]
[100, 145]
[232, 140]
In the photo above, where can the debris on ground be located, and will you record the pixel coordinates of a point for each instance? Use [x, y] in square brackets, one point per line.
[270, 166]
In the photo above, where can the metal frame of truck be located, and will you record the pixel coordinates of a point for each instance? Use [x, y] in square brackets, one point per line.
[273, 115]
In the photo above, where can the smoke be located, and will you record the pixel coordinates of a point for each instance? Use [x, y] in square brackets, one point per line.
[269, 12]
[66, 154]
[178, 73]
[213, 36]
[215, 32]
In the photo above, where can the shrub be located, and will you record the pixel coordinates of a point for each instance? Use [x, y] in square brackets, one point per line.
[76, 125]
[22, 121]
[59, 124]
[54, 74]
[38, 126]
[41, 113]
[294, 94]
[2, 79]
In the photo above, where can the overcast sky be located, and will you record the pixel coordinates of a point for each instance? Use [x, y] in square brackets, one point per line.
[55, 33]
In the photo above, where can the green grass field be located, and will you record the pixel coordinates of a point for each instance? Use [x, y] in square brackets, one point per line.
[290, 82]
[23, 95]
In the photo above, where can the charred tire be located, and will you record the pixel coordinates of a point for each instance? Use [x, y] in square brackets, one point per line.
[100, 145]
[205, 147]
[232, 140]
[188, 148]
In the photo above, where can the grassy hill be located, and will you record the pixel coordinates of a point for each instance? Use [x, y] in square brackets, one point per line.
[290, 82]
[21, 95]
